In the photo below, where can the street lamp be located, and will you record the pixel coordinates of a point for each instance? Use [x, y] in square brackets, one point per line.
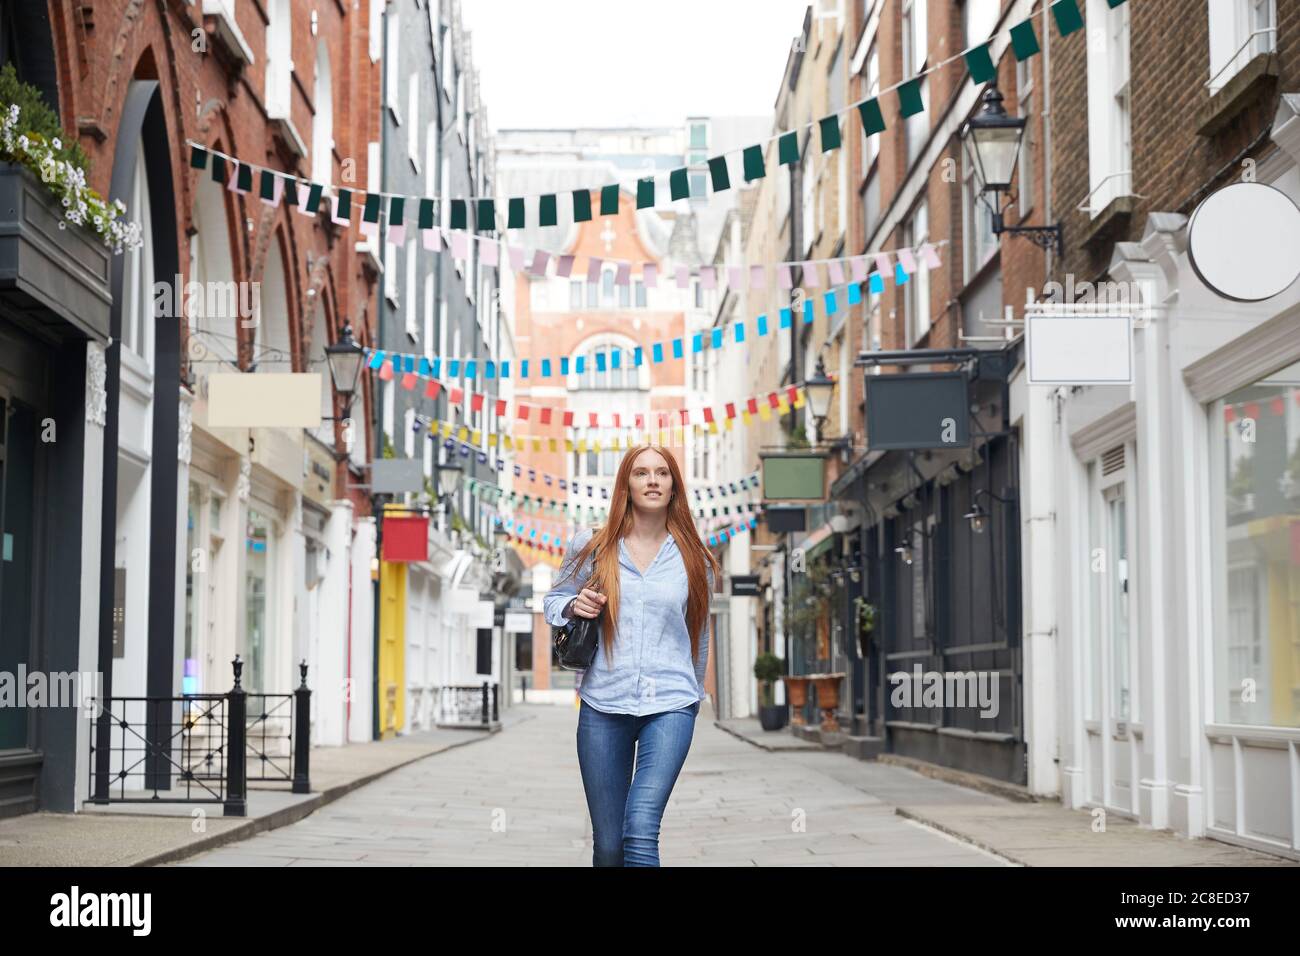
[344, 360]
[992, 140]
[820, 388]
[977, 517]
[448, 479]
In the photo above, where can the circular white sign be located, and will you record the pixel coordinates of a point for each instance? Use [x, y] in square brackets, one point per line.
[1244, 241]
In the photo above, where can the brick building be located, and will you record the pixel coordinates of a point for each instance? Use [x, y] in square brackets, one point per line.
[193, 543]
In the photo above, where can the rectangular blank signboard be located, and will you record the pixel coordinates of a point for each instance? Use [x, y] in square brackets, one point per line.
[794, 477]
[918, 410]
[1079, 349]
[264, 400]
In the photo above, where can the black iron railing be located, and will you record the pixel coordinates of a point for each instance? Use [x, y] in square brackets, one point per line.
[468, 705]
[197, 748]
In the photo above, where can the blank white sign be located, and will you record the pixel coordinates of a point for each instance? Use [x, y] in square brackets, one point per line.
[1079, 350]
[264, 400]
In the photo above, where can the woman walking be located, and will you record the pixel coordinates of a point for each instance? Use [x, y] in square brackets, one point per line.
[647, 575]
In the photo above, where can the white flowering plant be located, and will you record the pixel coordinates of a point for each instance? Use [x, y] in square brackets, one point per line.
[45, 155]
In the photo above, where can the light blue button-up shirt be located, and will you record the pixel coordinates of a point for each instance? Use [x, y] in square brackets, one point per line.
[652, 670]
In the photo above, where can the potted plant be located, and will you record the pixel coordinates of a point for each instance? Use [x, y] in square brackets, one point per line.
[768, 669]
[866, 621]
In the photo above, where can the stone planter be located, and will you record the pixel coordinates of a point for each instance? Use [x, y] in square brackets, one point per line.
[52, 280]
[796, 692]
[828, 699]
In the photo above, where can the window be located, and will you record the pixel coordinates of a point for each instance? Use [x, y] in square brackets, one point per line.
[137, 273]
[917, 126]
[1110, 160]
[431, 158]
[699, 293]
[408, 429]
[322, 124]
[916, 293]
[279, 58]
[836, 103]
[979, 17]
[871, 73]
[607, 286]
[1240, 30]
[412, 315]
[390, 272]
[427, 343]
[389, 423]
[1255, 498]
[871, 206]
[575, 294]
[699, 136]
[593, 295]
[1029, 145]
[809, 209]
[413, 113]
[392, 47]
[259, 542]
[977, 222]
[640, 294]
[624, 296]
[914, 37]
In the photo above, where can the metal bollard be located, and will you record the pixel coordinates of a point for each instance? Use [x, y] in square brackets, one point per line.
[236, 767]
[302, 735]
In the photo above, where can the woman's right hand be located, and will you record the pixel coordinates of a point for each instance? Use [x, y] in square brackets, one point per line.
[589, 603]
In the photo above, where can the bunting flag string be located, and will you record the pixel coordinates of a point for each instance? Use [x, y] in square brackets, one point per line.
[495, 408]
[463, 245]
[743, 163]
[468, 442]
[411, 367]
[554, 545]
[619, 437]
[533, 504]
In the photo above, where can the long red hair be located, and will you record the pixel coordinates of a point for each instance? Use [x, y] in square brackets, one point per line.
[696, 557]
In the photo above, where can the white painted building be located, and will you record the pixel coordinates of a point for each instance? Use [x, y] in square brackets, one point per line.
[1162, 557]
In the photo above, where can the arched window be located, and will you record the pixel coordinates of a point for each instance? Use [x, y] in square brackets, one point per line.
[626, 377]
[137, 277]
[271, 346]
[607, 287]
[213, 310]
[322, 127]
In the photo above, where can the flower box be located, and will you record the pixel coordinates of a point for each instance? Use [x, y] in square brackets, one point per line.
[50, 276]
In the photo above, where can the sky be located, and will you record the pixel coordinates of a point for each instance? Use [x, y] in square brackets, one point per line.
[556, 63]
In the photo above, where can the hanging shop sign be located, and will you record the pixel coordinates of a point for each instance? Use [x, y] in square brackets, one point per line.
[917, 410]
[264, 399]
[393, 476]
[1063, 349]
[745, 585]
[794, 476]
[786, 520]
[406, 537]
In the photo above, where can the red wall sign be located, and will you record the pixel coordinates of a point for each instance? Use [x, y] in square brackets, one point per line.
[406, 537]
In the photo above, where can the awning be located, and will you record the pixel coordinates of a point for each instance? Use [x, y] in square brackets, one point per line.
[817, 542]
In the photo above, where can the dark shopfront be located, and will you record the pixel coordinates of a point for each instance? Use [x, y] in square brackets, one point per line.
[942, 540]
[54, 319]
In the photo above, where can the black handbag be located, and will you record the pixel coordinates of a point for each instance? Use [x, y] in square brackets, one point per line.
[575, 642]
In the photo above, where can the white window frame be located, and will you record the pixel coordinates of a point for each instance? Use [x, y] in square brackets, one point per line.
[1232, 46]
[410, 309]
[393, 97]
[279, 58]
[916, 293]
[975, 252]
[413, 109]
[1026, 183]
[1110, 153]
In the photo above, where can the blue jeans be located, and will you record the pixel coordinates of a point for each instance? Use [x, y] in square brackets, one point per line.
[626, 810]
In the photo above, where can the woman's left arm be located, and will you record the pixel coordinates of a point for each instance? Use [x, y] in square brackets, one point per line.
[702, 663]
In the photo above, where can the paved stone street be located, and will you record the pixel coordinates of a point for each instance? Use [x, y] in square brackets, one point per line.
[516, 799]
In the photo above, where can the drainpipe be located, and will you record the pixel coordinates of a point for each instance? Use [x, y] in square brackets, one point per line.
[1047, 134]
[377, 409]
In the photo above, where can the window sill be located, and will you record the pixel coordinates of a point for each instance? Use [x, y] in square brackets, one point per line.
[1110, 222]
[288, 134]
[1253, 82]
